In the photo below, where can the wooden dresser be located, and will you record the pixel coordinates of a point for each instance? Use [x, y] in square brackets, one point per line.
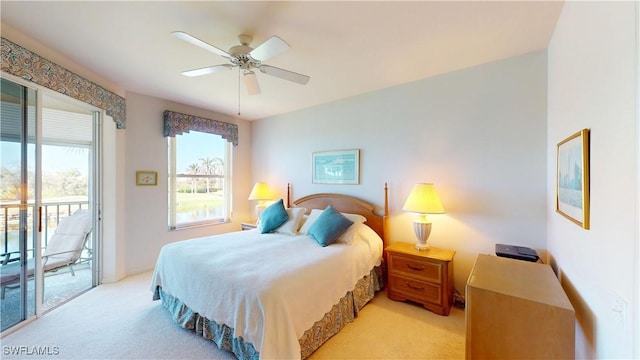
[517, 310]
[425, 277]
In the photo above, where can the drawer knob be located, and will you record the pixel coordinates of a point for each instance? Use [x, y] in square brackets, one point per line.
[419, 288]
[413, 267]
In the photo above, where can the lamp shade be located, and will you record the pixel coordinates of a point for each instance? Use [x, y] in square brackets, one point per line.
[423, 199]
[260, 191]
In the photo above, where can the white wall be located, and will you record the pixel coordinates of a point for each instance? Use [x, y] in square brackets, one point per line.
[593, 64]
[147, 206]
[479, 134]
[114, 210]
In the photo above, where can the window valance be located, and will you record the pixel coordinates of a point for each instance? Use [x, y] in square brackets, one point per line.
[30, 66]
[177, 123]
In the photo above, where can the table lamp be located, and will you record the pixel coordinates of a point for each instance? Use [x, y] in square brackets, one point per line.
[261, 193]
[423, 200]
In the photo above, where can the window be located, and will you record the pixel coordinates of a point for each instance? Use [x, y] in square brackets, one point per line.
[199, 169]
[199, 179]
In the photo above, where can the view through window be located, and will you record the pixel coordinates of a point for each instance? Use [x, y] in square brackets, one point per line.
[199, 179]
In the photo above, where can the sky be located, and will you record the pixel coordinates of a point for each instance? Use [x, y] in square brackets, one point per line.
[54, 158]
[196, 145]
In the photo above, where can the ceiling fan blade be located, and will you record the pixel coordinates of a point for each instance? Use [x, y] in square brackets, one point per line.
[285, 74]
[271, 47]
[199, 43]
[251, 83]
[207, 70]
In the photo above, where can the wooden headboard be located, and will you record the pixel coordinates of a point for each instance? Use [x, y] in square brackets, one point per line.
[346, 204]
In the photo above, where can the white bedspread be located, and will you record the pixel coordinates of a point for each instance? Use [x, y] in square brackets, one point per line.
[270, 288]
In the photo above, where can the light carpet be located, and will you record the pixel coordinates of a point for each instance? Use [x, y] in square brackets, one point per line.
[119, 321]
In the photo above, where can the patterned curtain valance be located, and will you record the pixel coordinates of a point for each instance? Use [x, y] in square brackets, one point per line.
[177, 123]
[30, 66]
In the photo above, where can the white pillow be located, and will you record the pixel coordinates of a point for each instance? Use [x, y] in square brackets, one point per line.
[313, 216]
[292, 225]
[357, 219]
[349, 235]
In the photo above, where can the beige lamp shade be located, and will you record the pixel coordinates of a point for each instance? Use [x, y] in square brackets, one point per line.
[423, 199]
[260, 191]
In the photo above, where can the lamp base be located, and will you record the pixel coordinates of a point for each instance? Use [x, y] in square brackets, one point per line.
[422, 228]
[259, 209]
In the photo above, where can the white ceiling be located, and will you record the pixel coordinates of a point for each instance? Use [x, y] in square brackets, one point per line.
[347, 48]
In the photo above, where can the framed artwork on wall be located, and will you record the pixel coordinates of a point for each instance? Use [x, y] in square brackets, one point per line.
[146, 178]
[572, 178]
[336, 167]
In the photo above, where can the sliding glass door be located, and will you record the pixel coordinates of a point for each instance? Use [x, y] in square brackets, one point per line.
[17, 199]
[49, 183]
[67, 180]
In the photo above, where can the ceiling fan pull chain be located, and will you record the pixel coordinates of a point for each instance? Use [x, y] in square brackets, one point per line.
[238, 91]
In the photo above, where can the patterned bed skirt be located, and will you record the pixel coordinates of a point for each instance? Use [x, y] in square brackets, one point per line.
[342, 313]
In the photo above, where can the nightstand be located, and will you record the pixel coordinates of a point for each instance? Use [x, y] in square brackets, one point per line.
[425, 277]
[248, 226]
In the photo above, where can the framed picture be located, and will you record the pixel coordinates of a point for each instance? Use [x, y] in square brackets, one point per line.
[572, 178]
[144, 177]
[336, 167]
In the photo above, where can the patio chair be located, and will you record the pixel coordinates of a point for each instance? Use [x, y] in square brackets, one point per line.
[64, 249]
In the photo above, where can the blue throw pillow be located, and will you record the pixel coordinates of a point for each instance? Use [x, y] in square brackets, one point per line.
[273, 216]
[329, 226]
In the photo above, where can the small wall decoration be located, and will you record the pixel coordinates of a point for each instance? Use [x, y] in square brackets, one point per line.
[572, 178]
[336, 167]
[144, 178]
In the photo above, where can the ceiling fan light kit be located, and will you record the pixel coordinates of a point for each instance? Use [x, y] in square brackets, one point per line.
[251, 83]
[246, 58]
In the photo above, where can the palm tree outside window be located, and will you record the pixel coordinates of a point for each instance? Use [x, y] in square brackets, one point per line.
[199, 186]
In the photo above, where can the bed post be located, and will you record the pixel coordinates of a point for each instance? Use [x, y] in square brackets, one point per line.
[385, 217]
[385, 231]
[288, 195]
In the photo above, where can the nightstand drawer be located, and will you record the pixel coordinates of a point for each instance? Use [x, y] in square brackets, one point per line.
[419, 291]
[417, 269]
[422, 276]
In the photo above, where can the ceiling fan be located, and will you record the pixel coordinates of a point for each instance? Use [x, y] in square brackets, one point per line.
[246, 59]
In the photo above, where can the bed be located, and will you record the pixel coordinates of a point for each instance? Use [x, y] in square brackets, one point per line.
[246, 292]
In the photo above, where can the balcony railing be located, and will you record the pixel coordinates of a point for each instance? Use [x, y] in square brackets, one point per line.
[52, 213]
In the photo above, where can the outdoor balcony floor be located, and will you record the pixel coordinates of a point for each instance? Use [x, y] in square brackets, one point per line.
[59, 286]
